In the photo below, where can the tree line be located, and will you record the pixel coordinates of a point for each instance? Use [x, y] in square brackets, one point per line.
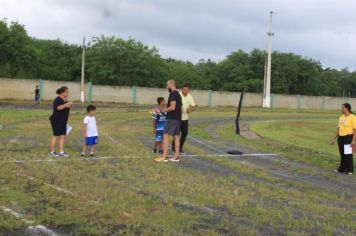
[115, 61]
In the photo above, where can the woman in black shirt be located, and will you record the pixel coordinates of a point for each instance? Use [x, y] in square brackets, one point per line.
[59, 120]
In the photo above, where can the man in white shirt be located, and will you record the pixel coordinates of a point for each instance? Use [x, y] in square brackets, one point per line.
[188, 106]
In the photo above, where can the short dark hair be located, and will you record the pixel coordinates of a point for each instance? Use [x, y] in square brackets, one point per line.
[91, 108]
[347, 106]
[185, 86]
[61, 90]
[159, 100]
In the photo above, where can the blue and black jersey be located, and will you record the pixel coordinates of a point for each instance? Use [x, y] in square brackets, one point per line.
[160, 120]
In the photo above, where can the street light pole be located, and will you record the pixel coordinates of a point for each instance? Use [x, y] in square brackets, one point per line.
[83, 75]
[267, 84]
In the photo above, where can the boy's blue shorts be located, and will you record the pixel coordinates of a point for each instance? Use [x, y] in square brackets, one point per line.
[159, 136]
[90, 141]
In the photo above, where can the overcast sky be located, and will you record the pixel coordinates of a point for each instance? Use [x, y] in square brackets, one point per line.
[324, 30]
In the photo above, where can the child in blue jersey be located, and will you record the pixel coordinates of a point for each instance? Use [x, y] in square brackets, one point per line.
[159, 121]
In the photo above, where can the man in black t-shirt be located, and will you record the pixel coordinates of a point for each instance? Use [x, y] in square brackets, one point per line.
[174, 118]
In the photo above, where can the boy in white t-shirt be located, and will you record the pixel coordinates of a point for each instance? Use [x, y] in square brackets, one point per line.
[90, 131]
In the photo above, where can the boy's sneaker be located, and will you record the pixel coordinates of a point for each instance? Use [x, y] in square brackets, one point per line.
[53, 154]
[154, 151]
[174, 159]
[160, 151]
[82, 154]
[92, 154]
[63, 154]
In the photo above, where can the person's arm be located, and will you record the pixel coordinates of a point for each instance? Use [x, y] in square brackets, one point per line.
[85, 126]
[154, 125]
[333, 140]
[64, 106]
[192, 105]
[172, 107]
[354, 138]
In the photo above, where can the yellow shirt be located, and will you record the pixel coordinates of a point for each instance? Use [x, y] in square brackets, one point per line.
[347, 124]
[187, 101]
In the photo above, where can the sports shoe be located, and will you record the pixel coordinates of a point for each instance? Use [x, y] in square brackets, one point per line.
[154, 151]
[82, 154]
[174, 159]
[182, 152]
[349, 173]
[160, 151]
[92, 154]
[161, 159]
[53, 154]
[63, 154]
[337, 171]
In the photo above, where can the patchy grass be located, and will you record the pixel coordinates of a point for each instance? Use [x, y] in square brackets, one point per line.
[133, 195]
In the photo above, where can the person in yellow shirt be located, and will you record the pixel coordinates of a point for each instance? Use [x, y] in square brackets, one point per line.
[188, 106]
[346, 138]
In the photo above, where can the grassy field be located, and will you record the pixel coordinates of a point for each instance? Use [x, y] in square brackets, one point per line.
[127, 193]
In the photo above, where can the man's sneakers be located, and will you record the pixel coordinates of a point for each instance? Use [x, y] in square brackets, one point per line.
[182, 152]
[63, 154]
[161, 159]
[174, 159]
[53, 154]
[154, 151]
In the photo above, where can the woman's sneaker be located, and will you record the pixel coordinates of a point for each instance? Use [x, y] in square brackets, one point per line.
[63, 154]
[53, 154]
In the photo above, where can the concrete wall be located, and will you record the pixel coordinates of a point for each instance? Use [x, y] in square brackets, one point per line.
[22, 89]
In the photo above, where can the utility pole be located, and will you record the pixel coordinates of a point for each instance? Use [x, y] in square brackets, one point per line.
[83, 75]
[267, 84]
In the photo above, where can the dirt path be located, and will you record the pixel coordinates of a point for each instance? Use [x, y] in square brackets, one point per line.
[277, 166]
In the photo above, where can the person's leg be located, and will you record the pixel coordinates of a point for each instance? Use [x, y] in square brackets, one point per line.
[84, 148]
[348, 160]
[92, 149]
[165, 146]
[177, 145]
[61, 143]
[340, 141]
[184, 133]
[53, 143]
[173, 147]
[155, 146]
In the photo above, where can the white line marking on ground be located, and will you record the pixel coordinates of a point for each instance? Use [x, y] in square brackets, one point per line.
[16, 214]
[229, 155]
[59, 160]
[63, 190]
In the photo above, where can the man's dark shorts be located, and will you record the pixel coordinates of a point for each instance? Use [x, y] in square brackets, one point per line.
[172, 127]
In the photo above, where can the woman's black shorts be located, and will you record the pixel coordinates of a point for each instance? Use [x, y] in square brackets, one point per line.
[59, 128]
